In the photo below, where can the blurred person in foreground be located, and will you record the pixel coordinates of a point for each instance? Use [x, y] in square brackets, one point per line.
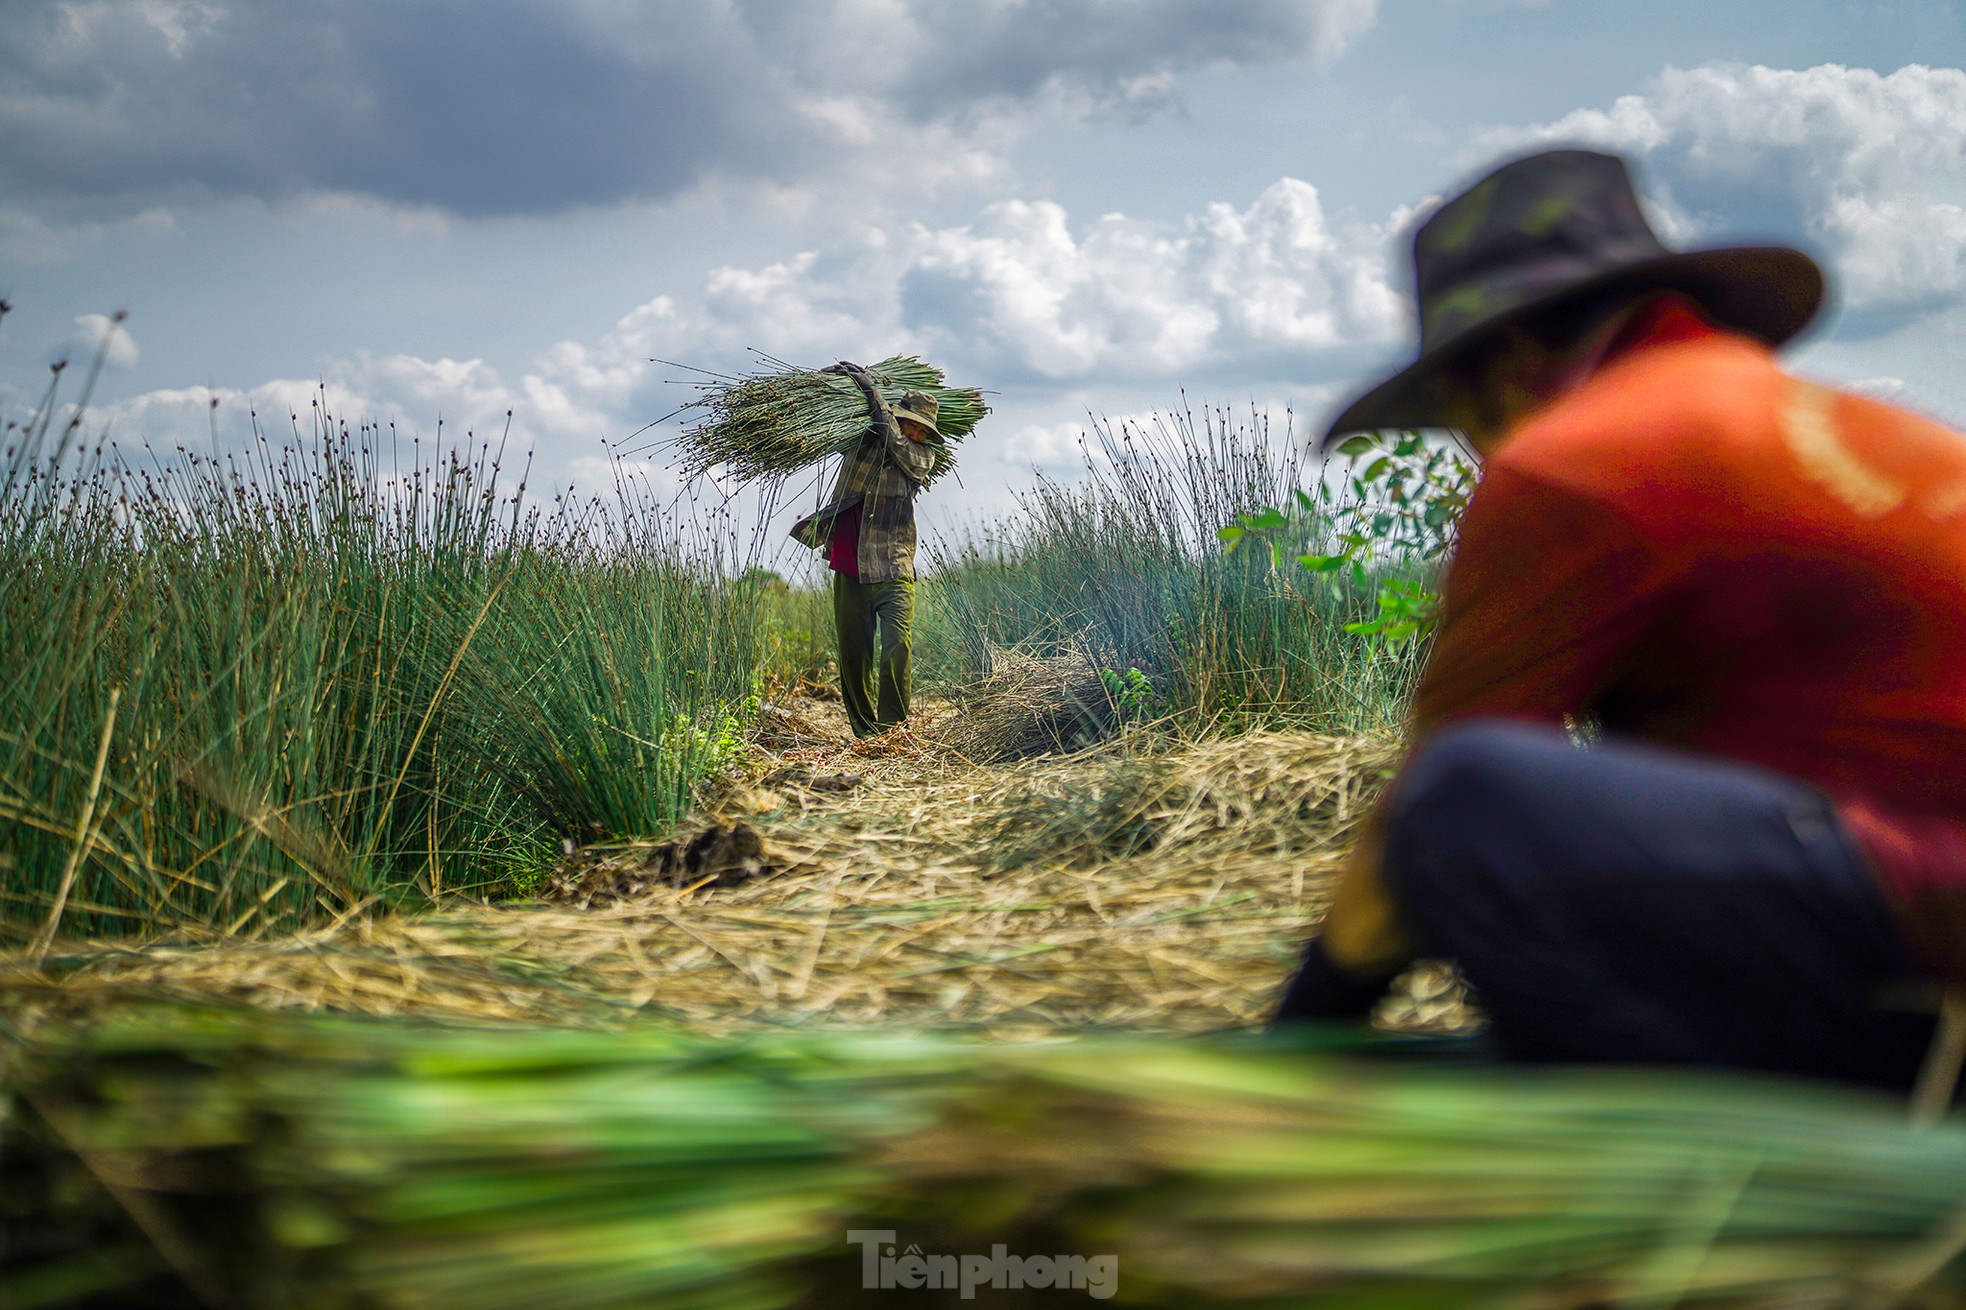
[867, 530]
[1754, 585]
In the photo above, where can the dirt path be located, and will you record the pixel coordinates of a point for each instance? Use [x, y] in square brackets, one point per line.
[1150, 884]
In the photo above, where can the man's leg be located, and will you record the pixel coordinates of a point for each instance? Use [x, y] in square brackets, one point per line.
[896, 607]
[1628, 904]
[853, 621]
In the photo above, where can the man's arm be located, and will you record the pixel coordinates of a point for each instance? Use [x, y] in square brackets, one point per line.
[1547, 593]
[1362, 932]
[914, 458]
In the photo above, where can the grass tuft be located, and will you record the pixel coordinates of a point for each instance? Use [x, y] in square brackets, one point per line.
[1123, 569]
[254, 690]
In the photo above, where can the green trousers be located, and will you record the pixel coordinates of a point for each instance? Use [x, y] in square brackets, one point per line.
[860, 609]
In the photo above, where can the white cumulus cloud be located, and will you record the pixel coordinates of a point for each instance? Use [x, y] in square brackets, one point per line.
[1867, 167]
[1022, 296]
[1046, 445]
[1878, 388]
[1130, 298]
[100, 332]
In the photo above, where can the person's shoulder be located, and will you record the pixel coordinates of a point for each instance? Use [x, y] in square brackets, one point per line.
[1918, 436]
[1688, 406]
[1873, 456]
[1715, 435]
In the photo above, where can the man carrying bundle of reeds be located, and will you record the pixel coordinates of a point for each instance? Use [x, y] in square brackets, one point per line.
[1754, 585]
[867, 530]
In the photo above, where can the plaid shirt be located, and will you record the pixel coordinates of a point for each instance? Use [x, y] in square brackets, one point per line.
[881, 476]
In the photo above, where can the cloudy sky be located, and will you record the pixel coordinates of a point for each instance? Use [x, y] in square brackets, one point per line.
[458, 207]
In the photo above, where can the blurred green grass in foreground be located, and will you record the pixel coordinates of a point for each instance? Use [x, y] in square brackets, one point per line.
[318, 1162]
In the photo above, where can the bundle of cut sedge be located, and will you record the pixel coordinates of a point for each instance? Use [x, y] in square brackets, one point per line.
[771, 424]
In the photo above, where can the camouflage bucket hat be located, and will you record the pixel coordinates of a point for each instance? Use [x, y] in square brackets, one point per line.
[1541, 231]
[919, 407]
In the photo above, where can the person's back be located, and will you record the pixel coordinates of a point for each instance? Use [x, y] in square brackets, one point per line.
[1750, 565]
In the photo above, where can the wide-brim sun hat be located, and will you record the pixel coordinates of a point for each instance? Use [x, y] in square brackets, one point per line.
[919, 407]
[1548, 229]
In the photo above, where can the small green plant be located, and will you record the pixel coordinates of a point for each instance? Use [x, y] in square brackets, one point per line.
[1132, 693]
[708, 748]
[1406, 610]
[1268, 526]
[1400, 509]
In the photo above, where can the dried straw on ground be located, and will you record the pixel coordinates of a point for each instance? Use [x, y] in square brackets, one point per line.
[1031, 704]
[766, 425]
[1148, 888]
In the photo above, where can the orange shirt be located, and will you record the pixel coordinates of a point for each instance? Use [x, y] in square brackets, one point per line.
[1707, 553]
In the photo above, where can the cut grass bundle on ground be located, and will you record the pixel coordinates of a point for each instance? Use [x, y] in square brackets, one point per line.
[283, 1161]
[769, 425]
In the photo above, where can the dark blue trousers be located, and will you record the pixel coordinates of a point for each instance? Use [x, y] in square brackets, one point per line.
[1629, 904]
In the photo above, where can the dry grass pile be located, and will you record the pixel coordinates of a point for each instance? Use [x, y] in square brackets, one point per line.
[790, 724]
[1136, 888]
[1030, 704]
